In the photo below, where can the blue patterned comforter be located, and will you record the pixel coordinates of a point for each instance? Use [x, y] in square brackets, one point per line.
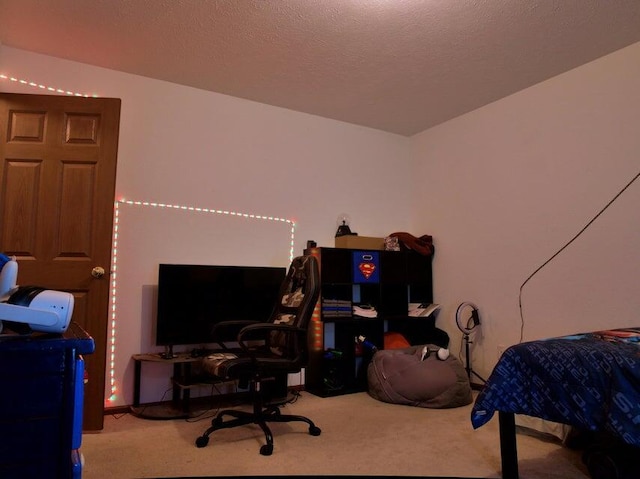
[588, 380]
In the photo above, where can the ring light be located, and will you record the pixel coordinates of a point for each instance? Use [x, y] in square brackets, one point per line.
[467, 328]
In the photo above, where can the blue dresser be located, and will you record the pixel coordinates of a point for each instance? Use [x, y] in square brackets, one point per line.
[41, 396]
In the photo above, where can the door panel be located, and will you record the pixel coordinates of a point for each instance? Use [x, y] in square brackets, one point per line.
[57, 188]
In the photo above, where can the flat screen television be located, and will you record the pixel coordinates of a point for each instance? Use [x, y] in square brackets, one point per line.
[193, 298]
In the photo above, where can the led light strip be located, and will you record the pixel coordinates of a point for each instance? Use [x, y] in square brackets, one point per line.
[114, 255]
[114, 262]
[317, 329]
[44, 87]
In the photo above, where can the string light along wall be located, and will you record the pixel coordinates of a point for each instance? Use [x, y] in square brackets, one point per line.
[114, 253]
[44, 87]
[114, 262]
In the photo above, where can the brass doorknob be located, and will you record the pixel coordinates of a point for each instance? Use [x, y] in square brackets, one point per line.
[97, 272]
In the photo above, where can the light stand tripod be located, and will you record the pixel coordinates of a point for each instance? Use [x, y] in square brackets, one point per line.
[466, 329]
[468, 367]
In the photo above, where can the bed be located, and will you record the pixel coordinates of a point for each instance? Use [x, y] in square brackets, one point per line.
[590, 381]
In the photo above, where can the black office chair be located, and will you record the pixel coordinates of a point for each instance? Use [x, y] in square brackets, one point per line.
[267, 349]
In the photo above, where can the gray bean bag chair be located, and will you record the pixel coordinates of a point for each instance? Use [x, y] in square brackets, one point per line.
[399, 376]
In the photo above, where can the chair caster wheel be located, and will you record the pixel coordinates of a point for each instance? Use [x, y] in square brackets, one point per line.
[314, 430]
[266, 449]
[202, 441]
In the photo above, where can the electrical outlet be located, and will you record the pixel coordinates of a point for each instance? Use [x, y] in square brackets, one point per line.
[501, 348]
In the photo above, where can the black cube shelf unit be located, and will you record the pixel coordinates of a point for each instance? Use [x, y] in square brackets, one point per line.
[386, 280]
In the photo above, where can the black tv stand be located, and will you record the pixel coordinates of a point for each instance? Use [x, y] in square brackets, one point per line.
[182, 379]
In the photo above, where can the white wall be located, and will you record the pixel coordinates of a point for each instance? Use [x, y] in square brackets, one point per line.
[503, 188]
[189, 147]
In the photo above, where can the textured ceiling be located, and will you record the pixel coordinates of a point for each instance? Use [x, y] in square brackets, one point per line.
[396, 65]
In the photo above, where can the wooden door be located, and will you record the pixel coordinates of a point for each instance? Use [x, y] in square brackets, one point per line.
[57, 184]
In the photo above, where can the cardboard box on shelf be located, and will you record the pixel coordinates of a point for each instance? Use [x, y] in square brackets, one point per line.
[359, 242]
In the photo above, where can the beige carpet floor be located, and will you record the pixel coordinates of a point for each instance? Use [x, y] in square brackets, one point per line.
[360, 436]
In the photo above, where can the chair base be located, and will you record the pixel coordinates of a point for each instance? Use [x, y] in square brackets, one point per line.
[261, 418]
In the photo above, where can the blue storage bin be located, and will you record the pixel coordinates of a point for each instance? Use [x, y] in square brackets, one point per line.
[42, 376]
[366, 267]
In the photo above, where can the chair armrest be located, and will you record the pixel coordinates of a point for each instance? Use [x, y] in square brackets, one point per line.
[259, 331]
[227, 331]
